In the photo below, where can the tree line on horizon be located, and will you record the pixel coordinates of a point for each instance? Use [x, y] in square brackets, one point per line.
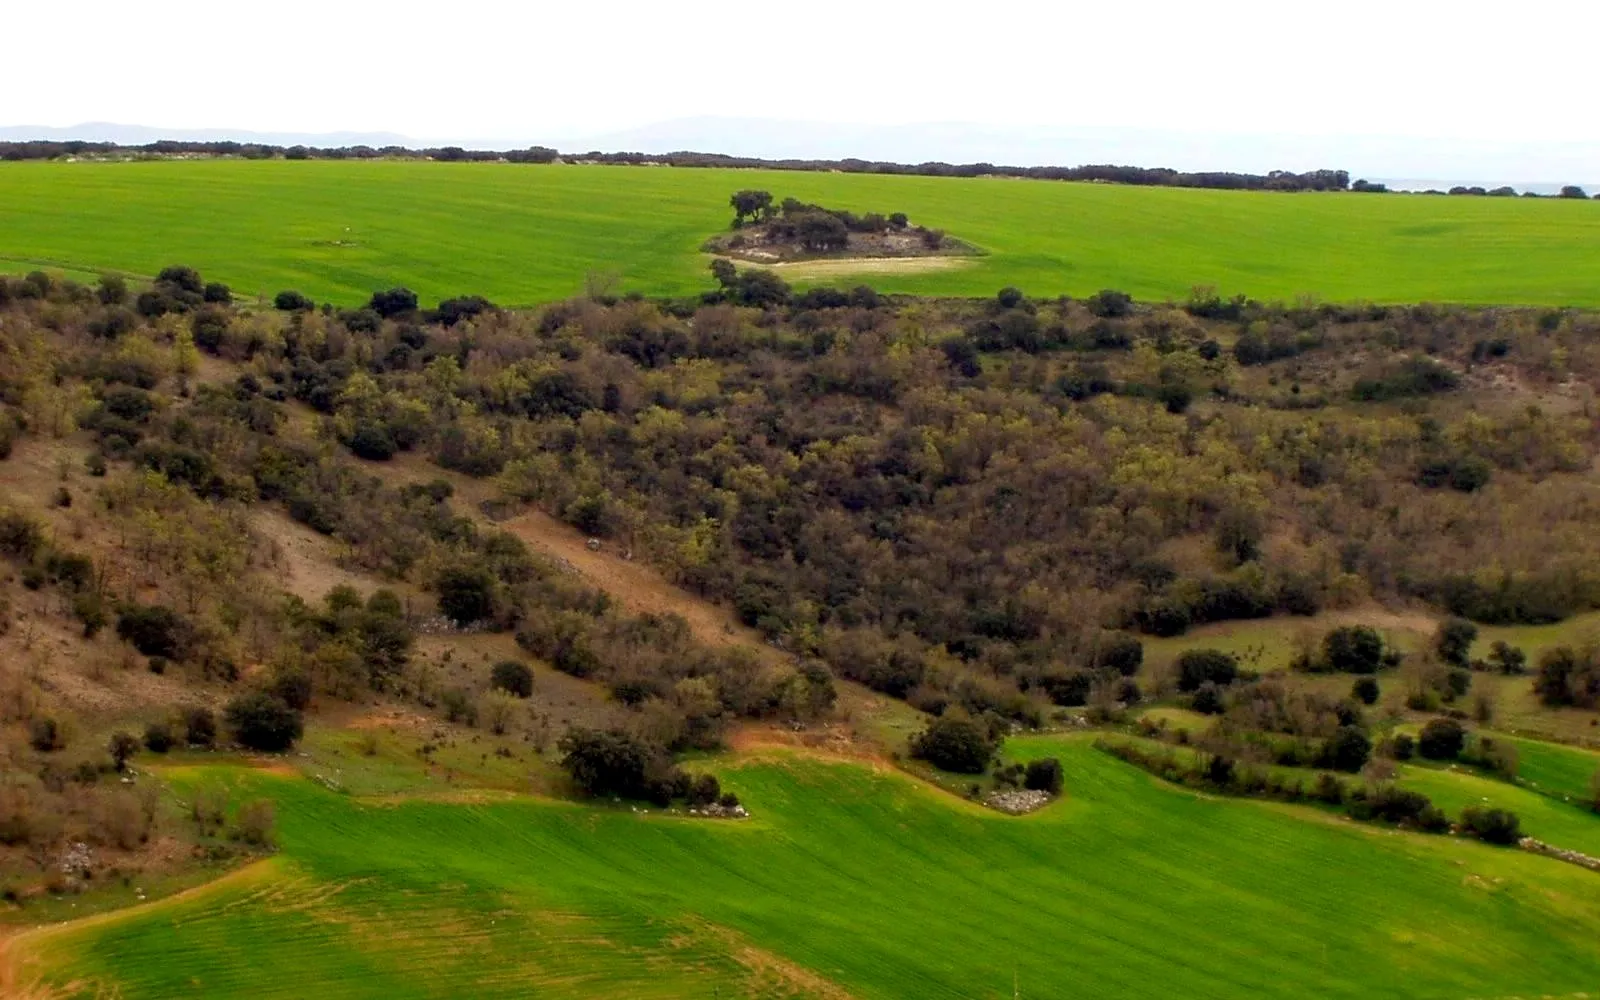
[1275, 180]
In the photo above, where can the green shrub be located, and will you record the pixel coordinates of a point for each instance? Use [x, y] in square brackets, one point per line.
[1365, 690]
[513, 677]
[261, 721]
[1197, 666]
[1043, 775]
[1353, 649]
[955, 744]
[1490, 825]
[1441, 739]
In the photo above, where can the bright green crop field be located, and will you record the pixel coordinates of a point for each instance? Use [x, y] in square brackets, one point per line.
[847, 883]
[522, 234]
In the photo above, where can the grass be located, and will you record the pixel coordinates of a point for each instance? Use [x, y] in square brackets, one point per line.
[1453, 789]
[523, 234]
[848, 882]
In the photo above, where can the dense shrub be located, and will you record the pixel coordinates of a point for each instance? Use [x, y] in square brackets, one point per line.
[1347, 750]
[199, 727]
[1197, 666]
[261, 721]
[1043, 775]
[513, 677]
[1567, 678]
[158, 737]
[1441, 739]
[155, 630]
[1365, 690]
[615, 762]
[1490, 825]
[1454, 639]
[1354, 649]
[292, 301]
[466, 594]
[955, 744]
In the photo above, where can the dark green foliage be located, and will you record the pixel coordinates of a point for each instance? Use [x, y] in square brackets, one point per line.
[1454, 639]
[1492, 826]
[292, 301]
[454, 311]
[46, 735]
[1507, 659]
[1354, 649]
[155, 630]
[749, 204]
[1568, 678]
[513, 677]
[1417, 376]
[1208, 699]
[199, 727]
[1043, 775]
[261, 721]
[617, 763]
[292, 687]
[122, 747]
[394, 302]
[217, 293]
[372, 441]
[1347, 750]
[158, 737]
[1197, 666]
[1402, 747]
[466, 594]
[1465, 473]
[1441, 739]
[704, 790]
[955, 744]
[1109, 303]
[1365, 690]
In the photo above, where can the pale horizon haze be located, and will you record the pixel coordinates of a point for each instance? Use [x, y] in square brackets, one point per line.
[1402, 75]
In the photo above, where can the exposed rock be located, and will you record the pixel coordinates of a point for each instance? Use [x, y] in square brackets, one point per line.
[1018, 802]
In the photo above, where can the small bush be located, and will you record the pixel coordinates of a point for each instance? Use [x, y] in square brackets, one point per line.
[512, 677]
[158, 737]
[1353, 649]
[155, 630]
[1490, 825]
[122, 748]
[46, 735]
[200, 727]
[1365, 690]
[1197, 666]
[1044, 776]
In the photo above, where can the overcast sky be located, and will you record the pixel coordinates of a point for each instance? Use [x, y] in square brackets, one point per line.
[525, 71]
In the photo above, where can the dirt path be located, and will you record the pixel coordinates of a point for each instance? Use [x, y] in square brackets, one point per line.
[633, 584]
[805, 270]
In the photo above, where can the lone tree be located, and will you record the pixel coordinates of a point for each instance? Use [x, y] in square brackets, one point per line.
[751, 204]
[953, 744]
[1453, 642]
[1353, 649]
[262, 721]
[1442, 739]
[512, 677]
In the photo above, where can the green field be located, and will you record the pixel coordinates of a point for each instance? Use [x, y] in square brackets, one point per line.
[847, 883]
[522, 234]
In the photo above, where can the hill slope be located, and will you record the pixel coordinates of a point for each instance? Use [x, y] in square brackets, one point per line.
[841, 886]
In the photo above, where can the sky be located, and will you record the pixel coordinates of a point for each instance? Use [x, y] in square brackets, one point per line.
[545, 71]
